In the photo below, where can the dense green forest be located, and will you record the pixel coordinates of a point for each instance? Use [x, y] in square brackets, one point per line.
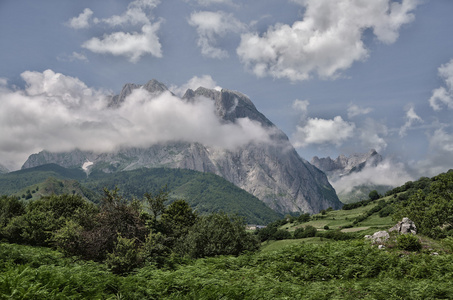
[205, 192]
[63, 246]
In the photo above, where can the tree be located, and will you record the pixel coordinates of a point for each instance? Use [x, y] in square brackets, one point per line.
[156, 202]
[218, 234]
[374, 195]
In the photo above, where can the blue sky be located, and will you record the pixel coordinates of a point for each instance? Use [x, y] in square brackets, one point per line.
[338, 77]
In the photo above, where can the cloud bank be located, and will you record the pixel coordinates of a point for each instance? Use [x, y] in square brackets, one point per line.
[327, 41]
[60, 113]
[385, 173]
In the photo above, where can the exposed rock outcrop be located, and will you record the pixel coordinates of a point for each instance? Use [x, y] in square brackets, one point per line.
[404, 226]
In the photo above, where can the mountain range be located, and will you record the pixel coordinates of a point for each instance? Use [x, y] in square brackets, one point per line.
[273, 171]
[344, 170]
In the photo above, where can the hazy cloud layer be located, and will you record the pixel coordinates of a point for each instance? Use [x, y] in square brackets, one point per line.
[212, 26]
[60, 113]
[354, 110]
[443, 96]
[386, 173]
[327, 41]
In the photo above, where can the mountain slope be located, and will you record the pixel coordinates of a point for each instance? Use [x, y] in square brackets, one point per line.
[273, 172]
[205, 192]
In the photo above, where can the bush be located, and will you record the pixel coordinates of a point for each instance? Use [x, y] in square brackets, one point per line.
[408, 242]
[217, 234]
[282, 234]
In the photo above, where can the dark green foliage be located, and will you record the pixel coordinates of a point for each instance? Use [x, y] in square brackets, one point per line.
[305, 232]
[304, 218]
[9, 208]
[408, 242]
[281, 234]
[217, 234]
[125, 256]
[430, 211]
[339, 270]
[374, 195]
[356, 204]
[205, 192]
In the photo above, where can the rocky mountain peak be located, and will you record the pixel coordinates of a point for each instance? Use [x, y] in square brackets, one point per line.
[343, 165]
[273, 172]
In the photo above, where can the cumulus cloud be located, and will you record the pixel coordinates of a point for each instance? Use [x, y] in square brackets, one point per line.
[371, 134]
[444, 95]
[60, 113]
[385, 173]
[136, 14]
[327, 41]
[211, 26]
[82, 20]
[322, 131]
[354, 110]
[132, 45]
[195, 82]
[411, 118]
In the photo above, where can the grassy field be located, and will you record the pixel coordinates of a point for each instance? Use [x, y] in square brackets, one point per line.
[343, 219]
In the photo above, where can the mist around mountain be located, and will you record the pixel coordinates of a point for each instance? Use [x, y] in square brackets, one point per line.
[207, 130]
[354, 177]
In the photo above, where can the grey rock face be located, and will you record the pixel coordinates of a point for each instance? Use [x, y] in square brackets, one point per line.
[378, 237]
[405, 226]
[343, 165]
[273, 172]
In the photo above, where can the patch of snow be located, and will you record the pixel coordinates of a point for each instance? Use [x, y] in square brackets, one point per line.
[86, 165]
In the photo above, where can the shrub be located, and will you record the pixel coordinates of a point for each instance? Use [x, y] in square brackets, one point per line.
[408, 242]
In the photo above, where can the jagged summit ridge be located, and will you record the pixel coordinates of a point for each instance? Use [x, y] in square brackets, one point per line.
[273, 172]
[343, 165]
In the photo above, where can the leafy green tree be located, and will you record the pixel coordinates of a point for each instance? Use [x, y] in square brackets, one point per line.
[218, 234]
[125, 257]
[178, 219]
[156, 202]
[374, 195]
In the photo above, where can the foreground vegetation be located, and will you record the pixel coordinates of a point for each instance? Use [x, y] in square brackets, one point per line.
[124, 250]
[336, 270]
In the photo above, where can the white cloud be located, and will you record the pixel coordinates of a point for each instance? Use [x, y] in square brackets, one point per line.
[212, 26]
[444, 95]
[354, 110]
[322, 131]
[195, 82]
[60, 113]
[132, 45]
[327, 41]
[385, 173]
[411, 118]
[82, 20]
[136, 14]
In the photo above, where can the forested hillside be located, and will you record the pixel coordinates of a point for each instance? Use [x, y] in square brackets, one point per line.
[205, 192]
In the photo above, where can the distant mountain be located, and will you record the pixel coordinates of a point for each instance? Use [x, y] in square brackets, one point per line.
[274, 172]
[205, 192]
[342, 168]
[3, 169]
